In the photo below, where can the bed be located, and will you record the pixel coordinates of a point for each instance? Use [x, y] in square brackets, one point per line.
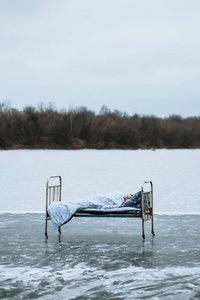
[61, 213]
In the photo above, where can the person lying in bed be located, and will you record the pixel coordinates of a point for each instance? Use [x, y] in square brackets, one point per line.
[133, 200]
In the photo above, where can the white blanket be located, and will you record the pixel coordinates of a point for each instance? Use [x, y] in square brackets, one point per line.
[60, 213]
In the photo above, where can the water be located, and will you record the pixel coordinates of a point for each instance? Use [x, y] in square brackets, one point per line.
[99, 258]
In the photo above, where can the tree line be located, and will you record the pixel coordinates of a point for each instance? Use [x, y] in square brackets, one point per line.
[79, 128]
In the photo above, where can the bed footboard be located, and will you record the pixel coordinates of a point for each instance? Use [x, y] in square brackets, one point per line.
[53, 193]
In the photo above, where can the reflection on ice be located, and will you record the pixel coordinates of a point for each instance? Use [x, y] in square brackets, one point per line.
[111, 259]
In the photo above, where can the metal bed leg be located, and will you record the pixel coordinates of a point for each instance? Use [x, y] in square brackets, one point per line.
[59, 230]
[143, 235]
[152, 227]
[46, 228]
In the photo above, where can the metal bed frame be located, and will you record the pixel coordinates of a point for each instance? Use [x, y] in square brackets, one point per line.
[53, 193]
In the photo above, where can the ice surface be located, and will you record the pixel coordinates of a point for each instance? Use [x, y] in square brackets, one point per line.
[175, 176]
[98, 258]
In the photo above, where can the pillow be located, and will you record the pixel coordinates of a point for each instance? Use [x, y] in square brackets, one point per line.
[134, 201]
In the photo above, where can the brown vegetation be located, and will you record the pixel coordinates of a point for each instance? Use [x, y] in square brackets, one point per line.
[79, 128]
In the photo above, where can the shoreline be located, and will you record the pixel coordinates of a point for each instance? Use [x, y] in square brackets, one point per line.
[77, 147]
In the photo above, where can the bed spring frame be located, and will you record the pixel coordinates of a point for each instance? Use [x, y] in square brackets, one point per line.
[53, 193]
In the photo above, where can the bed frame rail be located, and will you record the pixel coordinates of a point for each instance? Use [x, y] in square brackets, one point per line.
[53, 194]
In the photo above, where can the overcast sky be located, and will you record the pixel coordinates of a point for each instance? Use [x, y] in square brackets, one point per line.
[137, 56]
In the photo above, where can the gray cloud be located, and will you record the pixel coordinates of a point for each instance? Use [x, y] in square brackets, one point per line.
[135, 56]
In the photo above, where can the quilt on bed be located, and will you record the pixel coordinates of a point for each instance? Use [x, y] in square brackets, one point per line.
[60, 213]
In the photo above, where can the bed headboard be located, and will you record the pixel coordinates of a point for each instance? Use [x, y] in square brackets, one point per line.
[147, 200]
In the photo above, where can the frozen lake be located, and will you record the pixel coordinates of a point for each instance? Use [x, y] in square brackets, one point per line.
[103, 258]
[174, 173]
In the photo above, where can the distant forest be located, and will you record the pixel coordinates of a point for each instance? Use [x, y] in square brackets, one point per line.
[80, 128]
